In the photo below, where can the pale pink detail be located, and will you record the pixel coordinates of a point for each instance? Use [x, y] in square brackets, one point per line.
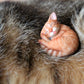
[53, 16]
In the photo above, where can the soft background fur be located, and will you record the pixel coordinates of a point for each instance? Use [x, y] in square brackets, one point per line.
[22, 61]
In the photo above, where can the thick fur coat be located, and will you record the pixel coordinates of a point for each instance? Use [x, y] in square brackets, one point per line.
[22, 60]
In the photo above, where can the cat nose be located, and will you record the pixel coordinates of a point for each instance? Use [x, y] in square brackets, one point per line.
[54, 32]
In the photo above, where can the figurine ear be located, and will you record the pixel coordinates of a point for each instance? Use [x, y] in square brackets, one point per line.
[53, 16]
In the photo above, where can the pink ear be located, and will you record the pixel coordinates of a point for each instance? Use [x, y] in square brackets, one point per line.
[53, 16]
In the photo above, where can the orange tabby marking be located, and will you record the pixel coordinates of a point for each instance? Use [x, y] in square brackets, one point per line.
[58, 39]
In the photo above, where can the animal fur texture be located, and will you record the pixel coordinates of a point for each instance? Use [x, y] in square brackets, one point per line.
[22, 60]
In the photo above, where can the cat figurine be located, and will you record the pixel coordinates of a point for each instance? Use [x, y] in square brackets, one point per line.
[58, 39]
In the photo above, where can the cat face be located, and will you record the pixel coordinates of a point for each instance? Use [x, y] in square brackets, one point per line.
[51, 29]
